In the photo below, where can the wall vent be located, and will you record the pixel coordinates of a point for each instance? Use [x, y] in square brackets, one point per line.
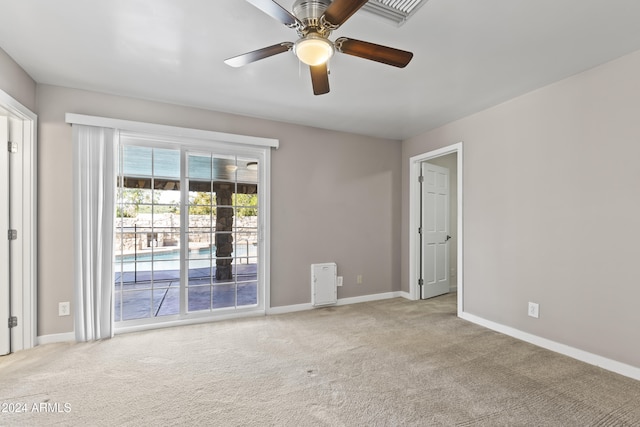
[396, 11]
[323, 284]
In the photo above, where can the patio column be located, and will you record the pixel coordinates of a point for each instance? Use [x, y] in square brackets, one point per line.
[224, 227]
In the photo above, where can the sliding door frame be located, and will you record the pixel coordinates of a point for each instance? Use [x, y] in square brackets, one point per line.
[238, 145]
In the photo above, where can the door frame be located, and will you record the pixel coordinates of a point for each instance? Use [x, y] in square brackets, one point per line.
[414, 219]
[5, 245]
[435, 288]
[23, 294]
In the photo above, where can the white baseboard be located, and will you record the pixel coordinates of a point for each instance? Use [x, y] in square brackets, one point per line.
[342, 301]
[583, 356]
[405, 295]
[56, 338]
[289, 308]
[368, 298]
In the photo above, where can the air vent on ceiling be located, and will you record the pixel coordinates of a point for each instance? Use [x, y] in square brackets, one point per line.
[396, 11]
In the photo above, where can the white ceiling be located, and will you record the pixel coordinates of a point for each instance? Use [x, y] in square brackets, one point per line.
[468, 55]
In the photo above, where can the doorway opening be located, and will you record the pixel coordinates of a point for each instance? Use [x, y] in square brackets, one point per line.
[441, 240]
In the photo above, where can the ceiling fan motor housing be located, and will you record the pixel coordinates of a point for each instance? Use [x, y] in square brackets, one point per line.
[310, 12]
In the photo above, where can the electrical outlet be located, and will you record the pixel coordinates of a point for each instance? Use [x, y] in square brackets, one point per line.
[64, 308]
[534, 310]
[359, 279]
[339, 281]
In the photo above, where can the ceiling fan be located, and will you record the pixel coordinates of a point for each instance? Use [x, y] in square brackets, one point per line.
[314, 20]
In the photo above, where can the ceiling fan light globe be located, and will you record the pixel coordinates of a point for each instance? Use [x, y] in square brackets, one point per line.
[313, 50]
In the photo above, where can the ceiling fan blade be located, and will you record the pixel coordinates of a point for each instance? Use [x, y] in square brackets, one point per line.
[277, 12]
[375, 52]
[341, 10]
[320, 79]
[256, 55]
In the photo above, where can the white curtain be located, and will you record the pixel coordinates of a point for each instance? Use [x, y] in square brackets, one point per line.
[94, 164]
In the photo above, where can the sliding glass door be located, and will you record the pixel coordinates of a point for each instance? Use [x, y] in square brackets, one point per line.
[222, 231]
[187, 231]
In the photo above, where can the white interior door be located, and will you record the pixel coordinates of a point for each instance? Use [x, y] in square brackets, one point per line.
[435, 231]
[5, 343]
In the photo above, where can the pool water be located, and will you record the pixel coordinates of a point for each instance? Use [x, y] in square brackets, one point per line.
[170, 260]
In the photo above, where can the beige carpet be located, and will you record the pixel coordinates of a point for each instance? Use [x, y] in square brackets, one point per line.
[386, 363]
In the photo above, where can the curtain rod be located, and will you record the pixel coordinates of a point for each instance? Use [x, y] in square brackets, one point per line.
[128, 125]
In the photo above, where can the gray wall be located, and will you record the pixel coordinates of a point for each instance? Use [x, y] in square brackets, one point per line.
[334, 198]
[16, 82]
[552, 208]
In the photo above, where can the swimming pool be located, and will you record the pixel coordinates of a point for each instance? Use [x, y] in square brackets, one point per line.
[170, 259]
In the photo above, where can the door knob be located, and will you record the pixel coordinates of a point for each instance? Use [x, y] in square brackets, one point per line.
[447, 239]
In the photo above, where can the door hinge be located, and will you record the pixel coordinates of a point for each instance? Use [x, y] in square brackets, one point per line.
[12, 147]
[13, 322]
[420, 282]
[420, 231]
[12, 235]
[421, 179]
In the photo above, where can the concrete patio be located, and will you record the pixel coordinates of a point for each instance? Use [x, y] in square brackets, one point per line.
[145, 294]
